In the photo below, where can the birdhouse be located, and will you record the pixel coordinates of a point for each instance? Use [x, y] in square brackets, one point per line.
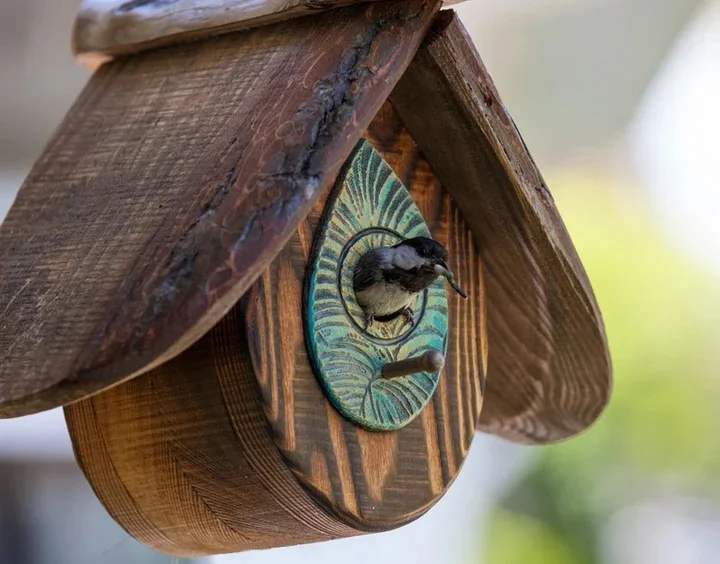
[179, 271]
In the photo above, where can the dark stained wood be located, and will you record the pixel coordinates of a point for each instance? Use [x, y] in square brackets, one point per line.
[183, 456]
[372, 480]
[102, 30]
[172, 183]
[549, 372]
[105, 30]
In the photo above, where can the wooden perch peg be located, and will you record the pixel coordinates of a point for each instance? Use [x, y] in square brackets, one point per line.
[430, 361]
[104, 29]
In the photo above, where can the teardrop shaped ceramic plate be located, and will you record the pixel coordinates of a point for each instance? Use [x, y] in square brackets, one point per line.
[369, 208]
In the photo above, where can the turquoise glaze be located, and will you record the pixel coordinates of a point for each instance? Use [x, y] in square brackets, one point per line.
[368, 208]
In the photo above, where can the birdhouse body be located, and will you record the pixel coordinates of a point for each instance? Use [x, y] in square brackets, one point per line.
[186, 290]
[285, 454]
[378, 479]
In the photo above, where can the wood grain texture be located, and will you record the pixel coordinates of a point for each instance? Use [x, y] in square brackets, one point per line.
[549, 373]
[172, 183]
[104, 29]
[372, 480]
[182, 459]
[183, 456]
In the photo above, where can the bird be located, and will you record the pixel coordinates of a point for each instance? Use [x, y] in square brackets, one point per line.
[386, 280]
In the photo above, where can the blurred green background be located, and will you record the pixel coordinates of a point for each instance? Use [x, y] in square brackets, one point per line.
[658, 439]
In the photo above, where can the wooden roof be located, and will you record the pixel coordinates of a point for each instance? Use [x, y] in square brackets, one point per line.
[172, 183]
[181, 172]
[104, 29]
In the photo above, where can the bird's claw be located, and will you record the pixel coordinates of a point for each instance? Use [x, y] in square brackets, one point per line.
[409, 316]
[369, 319]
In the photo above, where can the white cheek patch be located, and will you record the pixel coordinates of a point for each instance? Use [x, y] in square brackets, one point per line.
[385, 257]
[406, 258]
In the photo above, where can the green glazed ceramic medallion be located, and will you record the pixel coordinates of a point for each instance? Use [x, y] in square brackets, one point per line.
[368, 208]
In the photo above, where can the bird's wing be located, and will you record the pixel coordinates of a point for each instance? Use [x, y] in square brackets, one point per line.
[367, 272]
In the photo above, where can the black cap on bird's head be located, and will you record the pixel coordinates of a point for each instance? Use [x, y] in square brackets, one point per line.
[436, 255]
[426, 248]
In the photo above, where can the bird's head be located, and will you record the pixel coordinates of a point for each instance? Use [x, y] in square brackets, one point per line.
[424, 255]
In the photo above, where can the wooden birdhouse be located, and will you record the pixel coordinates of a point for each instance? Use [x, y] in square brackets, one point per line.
[177, 271]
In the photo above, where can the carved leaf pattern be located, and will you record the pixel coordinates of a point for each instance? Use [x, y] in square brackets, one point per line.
[369, 208]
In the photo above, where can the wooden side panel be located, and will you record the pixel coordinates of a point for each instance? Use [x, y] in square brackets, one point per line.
[369, 479]
[182, 458]
[549, 373]
[172, 183]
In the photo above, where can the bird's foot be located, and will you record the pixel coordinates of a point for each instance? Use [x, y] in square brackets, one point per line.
[369, 319]
[409, 316]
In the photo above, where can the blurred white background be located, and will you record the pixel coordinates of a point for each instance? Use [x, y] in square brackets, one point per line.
[613, 97]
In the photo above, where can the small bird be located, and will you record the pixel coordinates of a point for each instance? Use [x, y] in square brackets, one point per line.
[387, 279]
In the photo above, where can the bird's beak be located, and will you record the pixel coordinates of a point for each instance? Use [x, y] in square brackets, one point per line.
[443, 271]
